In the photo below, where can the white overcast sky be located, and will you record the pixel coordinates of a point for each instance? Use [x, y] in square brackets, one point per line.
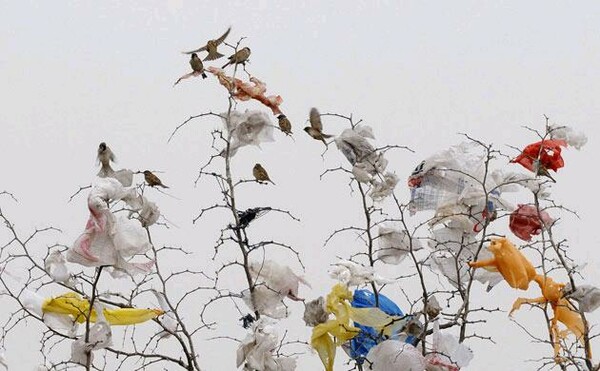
[74, 74]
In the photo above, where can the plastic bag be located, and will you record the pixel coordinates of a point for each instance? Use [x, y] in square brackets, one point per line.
[354, 274]
[573, 138]
[587, 296]
[447, 353]
[368, 336]
[255, 351]
[108, 240]
[395, 244]
[248, 128]
[543, 154]
[395, 355]
[525, 221]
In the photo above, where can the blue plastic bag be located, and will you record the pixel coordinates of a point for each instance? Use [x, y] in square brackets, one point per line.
[368, 336]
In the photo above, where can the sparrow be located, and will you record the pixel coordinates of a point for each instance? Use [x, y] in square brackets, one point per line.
[260, 174]
[152, 179]
[315, 129]
[284, 124]
[241, 56]
[197, 65]
[540, 170]
[104, 157]
[211, 47]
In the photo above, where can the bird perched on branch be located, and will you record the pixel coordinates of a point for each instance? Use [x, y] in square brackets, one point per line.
[239, 57]
[104, 157]
[315, 130]
[284, 124]
[211, 47]
[197, 65]
[152, 179]
[260, 174]
[540, 170]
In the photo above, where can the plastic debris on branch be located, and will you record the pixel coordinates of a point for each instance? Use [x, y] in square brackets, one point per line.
[368, 336]
[314, 312]
[99, 337]
[73, 307]
[353, 274]
[56, 267]
[587, 296]
[514, 267]
[447, 353]
[395, 245]
[564, 312]
[449, 182]
[368, 165]
[273, 283]
[248, 128]
[109, 239]
[244, 91]
[539, 157]
[395, 355]
[255, 352]
[168, 320]
[569, 135]
[454, 245]
[526, 221]
[339, 330]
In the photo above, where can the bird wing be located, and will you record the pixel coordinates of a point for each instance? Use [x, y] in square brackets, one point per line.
[315, 119]
[222, 38]
[213, 56]
[196, 51]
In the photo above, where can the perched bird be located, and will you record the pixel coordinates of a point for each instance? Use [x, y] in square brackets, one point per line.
[211, 47]
[152, 179]
[260, 174]
[284, 124]
[104, 157]
[241, 56]
[540, 170]
[315, 129]
[197, 65]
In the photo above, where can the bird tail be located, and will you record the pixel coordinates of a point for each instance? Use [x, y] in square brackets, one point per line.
[326, 136]
[204, 75]
[164, 186]
[272, 182]
[212, 57]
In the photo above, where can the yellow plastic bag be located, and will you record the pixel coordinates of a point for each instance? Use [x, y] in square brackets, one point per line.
[72, 304]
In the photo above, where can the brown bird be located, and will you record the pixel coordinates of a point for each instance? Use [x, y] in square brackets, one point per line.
[152, 179]
[240, 57]
[211, 47]
[315, 129]
[197, 65]
[540, 170]
[260, 174]
[284, 124]
[104, 157]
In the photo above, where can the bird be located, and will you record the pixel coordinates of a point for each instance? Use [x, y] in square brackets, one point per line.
[211, 47]
[284, 124]
[540, 170]
[241, 56]
[260, 174]
[104, 157]
[315, 130]
[152, 179]
[197, 65]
